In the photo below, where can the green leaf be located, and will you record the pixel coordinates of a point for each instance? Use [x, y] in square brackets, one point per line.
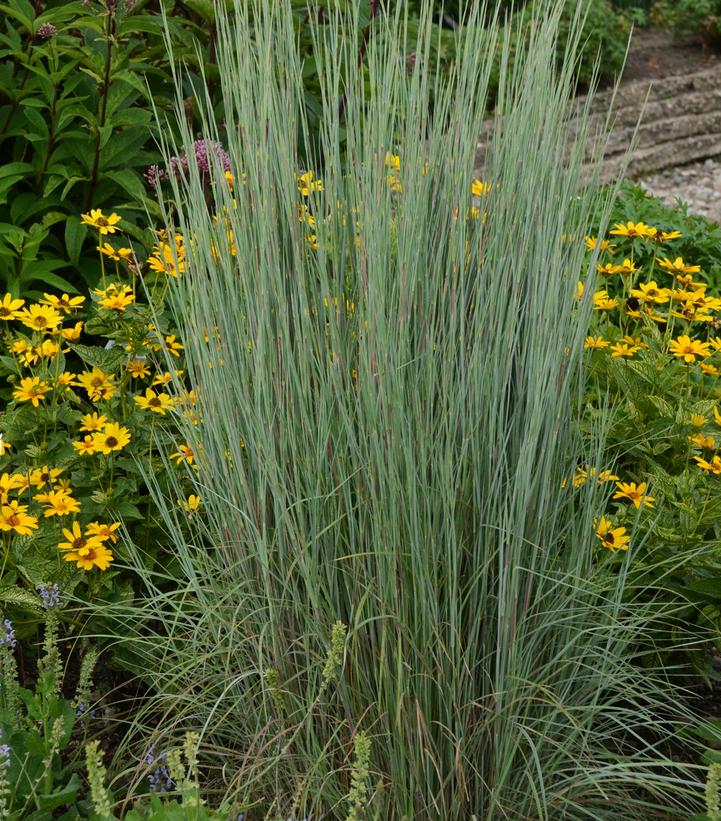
[129, 181]
[107, 359]
[20, 597]
[75, 233]
[64, 795]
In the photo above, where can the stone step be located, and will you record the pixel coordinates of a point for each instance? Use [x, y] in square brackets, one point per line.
[680, 120]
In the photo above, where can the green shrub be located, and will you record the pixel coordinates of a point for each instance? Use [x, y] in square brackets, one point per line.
[685, 17]
[85, 384]
[76, 128]
[655, 367]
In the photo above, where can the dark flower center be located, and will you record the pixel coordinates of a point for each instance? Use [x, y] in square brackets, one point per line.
[79, 543]
[111, 442]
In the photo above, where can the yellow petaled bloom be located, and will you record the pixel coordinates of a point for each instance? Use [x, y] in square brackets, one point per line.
[116, 254]
[716, 416]
[71, 334]
[632, 230]
[703, 442]
[4, 445]
[393, 161]
[40, 317]
[85, 447]
[634, 340]
[613, 538]
[595, 343]
[688, 349]
[119, 300]
[626, 267]
[307, 185]
[14, 516]
[709, 370]
[184, 453]
[93, 422]
[622, 349]
[112, 437]
[697, 420]
[75, 540]
[663, 236]
[479, 188]
[103, 531]
[167, 259]
[156, 402]
[174, 347]
[592, 243]
[138, 368]
[39, 477]
[97, 556]
[165, 378]
[10, 308]
[105, 225]
[64, 303]
[97, 383]
[65, 380]
[60, 503]
[603, 476]
[607, 270]
[192, 504]
[9, 483]
[32, 389]
[602, 301]
[714, 466]
[650, 292]
[678, 266]
[579, 290]
[634, 493]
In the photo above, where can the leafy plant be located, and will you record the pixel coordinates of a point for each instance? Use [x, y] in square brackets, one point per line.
[76, 128]
[684, 17]
[86, 381]
[38, 776]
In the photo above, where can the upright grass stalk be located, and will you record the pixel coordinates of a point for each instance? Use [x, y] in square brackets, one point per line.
[386, 423]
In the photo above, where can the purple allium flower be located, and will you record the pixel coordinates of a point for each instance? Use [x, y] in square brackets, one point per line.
[49, 595]
[201, 148]
[153, 175]
[8, 638]
[46, 31]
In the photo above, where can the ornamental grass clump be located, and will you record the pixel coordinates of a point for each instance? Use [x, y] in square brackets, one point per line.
[385, 357]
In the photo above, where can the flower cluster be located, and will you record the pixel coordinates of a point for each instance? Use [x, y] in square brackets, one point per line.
[90, 391]
[655, 352]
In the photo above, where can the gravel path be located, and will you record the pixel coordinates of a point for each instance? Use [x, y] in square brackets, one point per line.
[698, 185]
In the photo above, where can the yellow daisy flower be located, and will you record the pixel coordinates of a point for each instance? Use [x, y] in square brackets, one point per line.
[14, 516]
[86, 447]
[688, 349]
[634, 493]
[93, 422]
[105, 225]
[10, 308]
[32, 389]
[103, 531]
[97, 383]
[60, 503]
[156, 402]
[113, 437]
[612, 538]
[97, 556]
[40, 317]
[64, 303]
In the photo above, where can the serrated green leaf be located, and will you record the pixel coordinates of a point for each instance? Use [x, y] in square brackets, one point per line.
[107, 359]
